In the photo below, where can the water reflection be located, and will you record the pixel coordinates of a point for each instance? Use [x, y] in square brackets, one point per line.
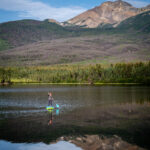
[51, 117]
[121, 110]
[50, 113]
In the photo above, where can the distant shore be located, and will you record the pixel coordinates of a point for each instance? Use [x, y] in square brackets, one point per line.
[95, 74]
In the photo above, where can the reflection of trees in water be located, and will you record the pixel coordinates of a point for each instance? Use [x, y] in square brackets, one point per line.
[143, 100]
[140, 100]
[133, 104]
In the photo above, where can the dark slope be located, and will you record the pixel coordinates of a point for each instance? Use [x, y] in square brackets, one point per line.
[22, 32]
[140, 23]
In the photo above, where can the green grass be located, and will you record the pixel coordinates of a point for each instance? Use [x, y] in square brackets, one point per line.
[3, 45]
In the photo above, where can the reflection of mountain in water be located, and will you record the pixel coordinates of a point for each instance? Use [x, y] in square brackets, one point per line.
[96, 142]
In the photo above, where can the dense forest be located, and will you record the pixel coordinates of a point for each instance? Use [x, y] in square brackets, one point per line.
[88, 74]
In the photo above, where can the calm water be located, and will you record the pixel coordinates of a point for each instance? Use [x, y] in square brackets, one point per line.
[107, 110]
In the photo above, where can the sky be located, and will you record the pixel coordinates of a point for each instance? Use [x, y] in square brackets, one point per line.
[60, 10]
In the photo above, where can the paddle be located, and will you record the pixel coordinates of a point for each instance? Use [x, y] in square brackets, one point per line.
[57, 106]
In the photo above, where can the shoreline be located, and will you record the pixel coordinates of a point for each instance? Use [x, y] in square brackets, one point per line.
[97, 83]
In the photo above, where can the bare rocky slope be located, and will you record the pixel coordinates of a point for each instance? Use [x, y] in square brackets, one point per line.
[100, 142]
[107, 13]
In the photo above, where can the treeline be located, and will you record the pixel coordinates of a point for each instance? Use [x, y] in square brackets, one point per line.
[114, 73]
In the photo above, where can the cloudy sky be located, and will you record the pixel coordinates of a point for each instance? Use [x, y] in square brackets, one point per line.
[61, 10]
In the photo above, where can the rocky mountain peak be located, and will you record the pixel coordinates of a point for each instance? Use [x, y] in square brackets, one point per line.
[107, 13]
[116, 3]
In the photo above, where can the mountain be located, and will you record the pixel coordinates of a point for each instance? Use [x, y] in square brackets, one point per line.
[107, 13]
[105, 16]
[47, 43]
[24, 32]
[17, 33]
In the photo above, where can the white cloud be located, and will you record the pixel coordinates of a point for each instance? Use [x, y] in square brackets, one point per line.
[137, 3]
[40, 10]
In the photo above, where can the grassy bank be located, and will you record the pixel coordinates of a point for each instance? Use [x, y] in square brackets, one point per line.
[120, 73]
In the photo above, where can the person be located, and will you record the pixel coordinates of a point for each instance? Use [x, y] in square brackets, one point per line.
[50, 99]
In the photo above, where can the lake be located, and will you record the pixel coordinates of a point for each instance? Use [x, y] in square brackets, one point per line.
[84, 110]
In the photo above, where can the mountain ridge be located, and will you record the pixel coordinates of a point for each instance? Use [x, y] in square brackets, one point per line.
[107, 13]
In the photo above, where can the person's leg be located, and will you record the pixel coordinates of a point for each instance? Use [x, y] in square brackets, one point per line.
[51, 103]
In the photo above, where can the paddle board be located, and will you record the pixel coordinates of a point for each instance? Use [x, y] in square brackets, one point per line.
[49, 107]
[52, 107]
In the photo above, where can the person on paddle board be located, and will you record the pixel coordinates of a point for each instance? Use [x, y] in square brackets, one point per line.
[50, 99]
